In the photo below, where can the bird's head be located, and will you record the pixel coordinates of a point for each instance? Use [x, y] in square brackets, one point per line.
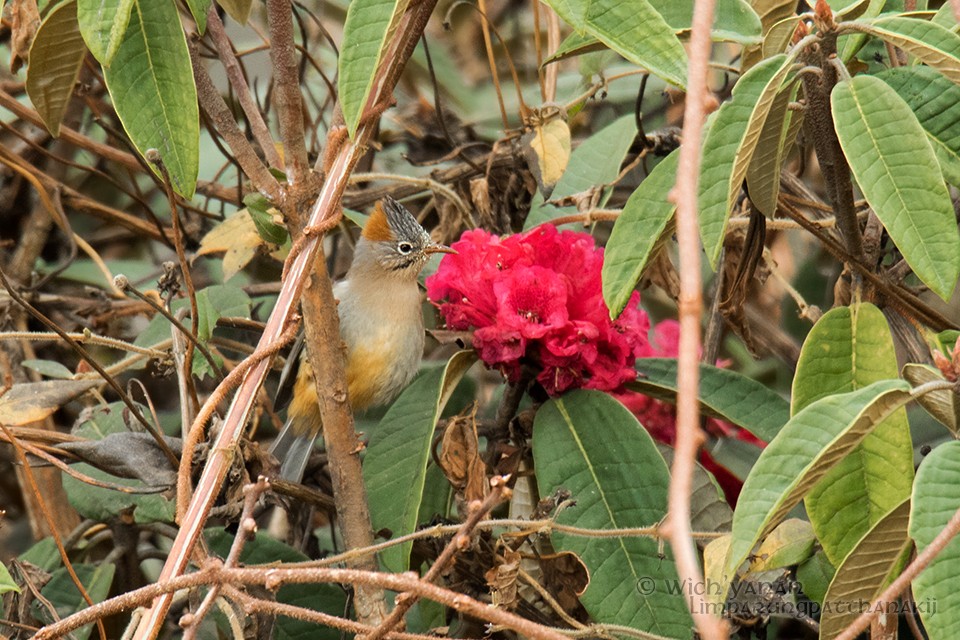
[394, 240]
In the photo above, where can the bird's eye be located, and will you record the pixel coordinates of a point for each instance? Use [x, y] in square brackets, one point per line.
[405, 248]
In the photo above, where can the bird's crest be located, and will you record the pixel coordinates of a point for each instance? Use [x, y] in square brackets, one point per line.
[390, 221]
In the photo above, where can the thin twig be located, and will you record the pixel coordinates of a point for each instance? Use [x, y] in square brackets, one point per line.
[689, 435]
[240, 88]
[272, 578]
[286, 90]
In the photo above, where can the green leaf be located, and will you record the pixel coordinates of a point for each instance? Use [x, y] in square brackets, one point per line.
[49, 368]
[395, 465]
[44, 554]
[734, 20]
[873, 563]
[6, 580]
[900, 177]
[595, 163]
[103, 24]
[730, 144]
[848, 349]
[591, 445]
[55, 58]
[815, 575]
[262, 214]
[724, 394]
[367, 30]
[942, 404]
[929, 42]
[198, 9]
[632, 28]
[642, 222]
[217, 301]
[264, 550]
[935, 500]
[152, 88]
[709, 509]
[66, 599]
[763, 172]
[807, 447]
[936, 103]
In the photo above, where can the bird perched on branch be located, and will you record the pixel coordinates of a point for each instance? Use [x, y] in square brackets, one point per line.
[381, 323]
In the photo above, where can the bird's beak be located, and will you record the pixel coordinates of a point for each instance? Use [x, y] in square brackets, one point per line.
[438, 248]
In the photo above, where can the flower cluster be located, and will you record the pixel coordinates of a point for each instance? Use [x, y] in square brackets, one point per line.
[538, 296]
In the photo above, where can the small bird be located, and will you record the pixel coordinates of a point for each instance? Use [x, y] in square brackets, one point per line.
[381, 323]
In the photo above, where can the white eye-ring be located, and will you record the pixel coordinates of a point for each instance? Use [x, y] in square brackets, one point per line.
[405, 248]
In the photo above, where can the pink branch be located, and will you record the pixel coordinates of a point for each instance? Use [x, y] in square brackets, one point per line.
[689, 436]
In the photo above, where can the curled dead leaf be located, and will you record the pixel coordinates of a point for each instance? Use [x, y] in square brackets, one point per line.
[460, 458]
[502, 579]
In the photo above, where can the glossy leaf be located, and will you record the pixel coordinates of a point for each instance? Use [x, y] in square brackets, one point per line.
[935, 500]
[366, 31]
[808, 446]
[103, 24]
[850, 348]
[591, 445]
[724, 394]
[55, 58]
[395, 465]
[7, 582]
[900, 177]
[929, 42]
[873, 563]
[642, 222]
[632, 28]
[152, 88]
[593, 164]
[936, 103]
[730, 144]
[942, 404]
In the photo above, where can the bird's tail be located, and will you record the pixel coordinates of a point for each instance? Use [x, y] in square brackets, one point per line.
[293, 448]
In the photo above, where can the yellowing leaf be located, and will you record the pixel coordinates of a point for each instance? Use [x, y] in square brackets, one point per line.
[546, 149]
[237, 238]
[789, 544]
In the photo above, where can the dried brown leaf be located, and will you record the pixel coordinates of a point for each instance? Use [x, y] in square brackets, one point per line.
[33, 401]
[24, 22]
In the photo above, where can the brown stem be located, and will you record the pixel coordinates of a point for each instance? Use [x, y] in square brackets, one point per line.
[689, 435]
[836, 171]
[240, 88]
[286, 92]
[272, 577]
[223, 121]
[325, 210]
[460, 541]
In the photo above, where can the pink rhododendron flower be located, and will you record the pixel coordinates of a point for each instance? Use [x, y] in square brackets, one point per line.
[660, 418]
[538, 296]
